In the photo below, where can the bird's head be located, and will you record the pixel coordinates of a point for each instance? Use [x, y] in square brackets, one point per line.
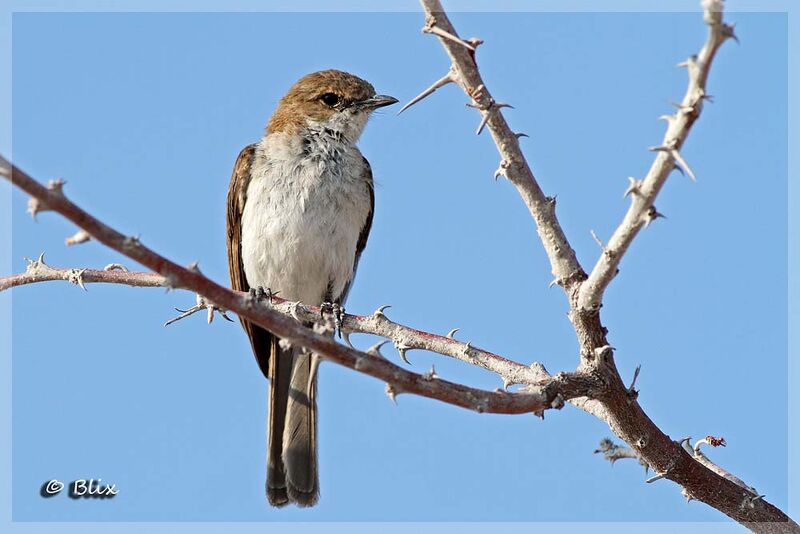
[330, 99]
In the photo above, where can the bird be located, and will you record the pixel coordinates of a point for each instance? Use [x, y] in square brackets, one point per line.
[299, 212]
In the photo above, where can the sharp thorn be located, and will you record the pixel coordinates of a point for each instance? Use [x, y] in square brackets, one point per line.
[115, 267]
[441, 82]
[346, 337]
[682, 162]
[446, 35]
[597, 240]
[651, 215]
[682, 108]
[507, 383]
[728, 30]
[402, 350]
[633, 187]
[656, 477]
[391, 393]
[452, 333]
[632, 388]
[688, 62]
[484, 121]
[184, 314]
[37, 262]
[501, 169]
[430, 375]
[375, 349]
[76, 277]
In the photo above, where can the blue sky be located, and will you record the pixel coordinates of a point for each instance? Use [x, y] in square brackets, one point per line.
[144, 114]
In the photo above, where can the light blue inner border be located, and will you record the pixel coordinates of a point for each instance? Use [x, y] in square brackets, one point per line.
[385, 6]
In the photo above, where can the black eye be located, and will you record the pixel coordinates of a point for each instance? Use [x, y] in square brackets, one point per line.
[329, 99]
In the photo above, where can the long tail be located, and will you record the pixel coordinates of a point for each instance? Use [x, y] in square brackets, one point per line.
[280, 368]
[292, 474]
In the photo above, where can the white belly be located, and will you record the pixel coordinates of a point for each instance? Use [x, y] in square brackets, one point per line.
[302, 220]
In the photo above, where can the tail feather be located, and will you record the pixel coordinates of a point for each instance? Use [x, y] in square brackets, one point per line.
[300, 431]
[292, 474]
[280, 369]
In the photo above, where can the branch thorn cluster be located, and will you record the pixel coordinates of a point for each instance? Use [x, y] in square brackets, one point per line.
[202, 304]
[431, 27]
[651, 215]
[380, 310]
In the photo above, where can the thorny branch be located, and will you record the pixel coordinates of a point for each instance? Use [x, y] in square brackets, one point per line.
[613, 452]
[39, 271]
[668, 158]
[464, 72]
[404, 338]
[617, 405]
[550, 392]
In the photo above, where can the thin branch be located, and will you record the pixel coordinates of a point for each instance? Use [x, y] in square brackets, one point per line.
[377, 323]
[668, 158]
[39, 271]
[550, 393]
[464, 71]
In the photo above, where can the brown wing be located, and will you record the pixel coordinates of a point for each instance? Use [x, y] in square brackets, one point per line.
[260, 339]
[362, 238]
[364, 235]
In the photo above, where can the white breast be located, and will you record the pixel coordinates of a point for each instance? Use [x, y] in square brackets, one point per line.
[307, 203]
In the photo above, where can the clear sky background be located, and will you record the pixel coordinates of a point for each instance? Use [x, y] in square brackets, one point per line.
[144, 114]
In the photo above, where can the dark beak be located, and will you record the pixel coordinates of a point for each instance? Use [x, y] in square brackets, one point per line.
[377, 101]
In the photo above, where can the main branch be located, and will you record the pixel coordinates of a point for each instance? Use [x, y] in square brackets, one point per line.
[548, 393]
[464, 71]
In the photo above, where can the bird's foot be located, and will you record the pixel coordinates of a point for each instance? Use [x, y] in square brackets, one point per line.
[261, 293]
[336, 310]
